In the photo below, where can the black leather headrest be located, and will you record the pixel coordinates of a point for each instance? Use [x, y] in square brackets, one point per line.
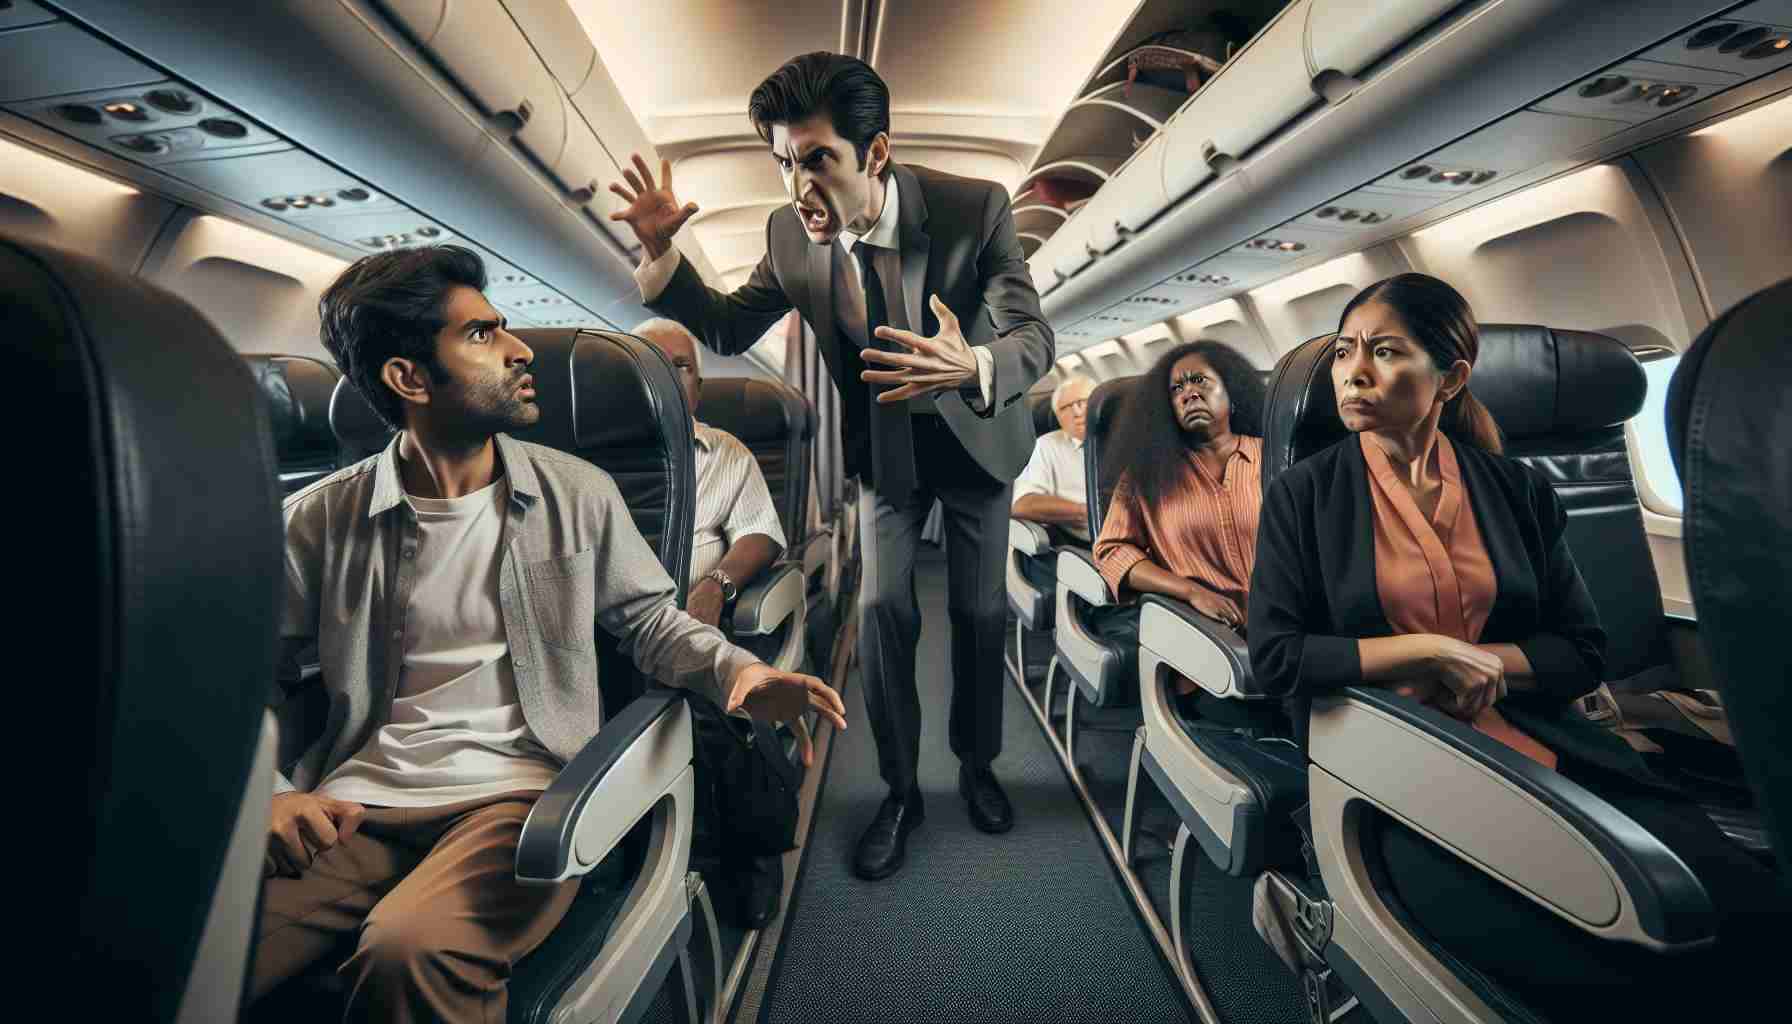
[1045, 418]
[167, 551]
[1729, 425]
[1541, 382]
[358, 429]
[1546, 389]
[756, 411]
[616, 401]
[298, 390]
[1103, 472]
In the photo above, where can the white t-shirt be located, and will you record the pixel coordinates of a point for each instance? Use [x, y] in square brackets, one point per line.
[1056, 469]
[456, 730]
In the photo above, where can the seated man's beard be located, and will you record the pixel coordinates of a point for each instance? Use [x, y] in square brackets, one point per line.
[490, 405]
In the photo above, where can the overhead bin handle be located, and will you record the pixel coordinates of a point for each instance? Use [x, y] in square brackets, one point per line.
[1334, 86]
[1221, 163]
[584, 193]
[512, 121]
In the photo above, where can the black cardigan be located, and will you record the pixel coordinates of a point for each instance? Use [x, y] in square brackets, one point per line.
[1313, 592]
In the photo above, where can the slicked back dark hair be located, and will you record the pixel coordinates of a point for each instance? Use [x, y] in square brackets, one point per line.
[853, 96]
[1148, 437]
[390, 305]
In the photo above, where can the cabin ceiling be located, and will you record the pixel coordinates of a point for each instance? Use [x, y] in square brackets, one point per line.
[975, 88]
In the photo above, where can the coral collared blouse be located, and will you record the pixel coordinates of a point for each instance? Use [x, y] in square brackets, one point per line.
[1434, 575]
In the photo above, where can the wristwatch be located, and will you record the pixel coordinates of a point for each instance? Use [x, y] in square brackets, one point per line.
[729, 590]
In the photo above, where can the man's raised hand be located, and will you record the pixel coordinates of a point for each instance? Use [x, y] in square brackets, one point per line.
[653, 210]
[943, 362]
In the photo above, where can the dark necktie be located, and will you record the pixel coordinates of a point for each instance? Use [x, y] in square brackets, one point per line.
[892, 438]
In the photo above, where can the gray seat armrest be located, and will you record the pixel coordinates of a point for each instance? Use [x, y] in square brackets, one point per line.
[1203, 649]
[815, 550]
[1527, 826]
[1078, 575]
[770, 600]
[1027, 537]
[616, 780]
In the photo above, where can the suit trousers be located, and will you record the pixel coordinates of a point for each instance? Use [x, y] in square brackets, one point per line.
[976, 509]
[430, 896]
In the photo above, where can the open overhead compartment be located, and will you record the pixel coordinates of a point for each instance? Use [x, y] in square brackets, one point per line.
[1328, 133]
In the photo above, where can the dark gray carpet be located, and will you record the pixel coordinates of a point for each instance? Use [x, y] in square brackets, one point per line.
[1031, 925]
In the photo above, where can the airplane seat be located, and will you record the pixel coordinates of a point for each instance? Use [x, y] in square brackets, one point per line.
[777, 424]
[170, 516]
[360, 433]
[1031, 571]
[1095, 637]
[1385, 771]
[620, 813]
[298, 391]
[1728, 414]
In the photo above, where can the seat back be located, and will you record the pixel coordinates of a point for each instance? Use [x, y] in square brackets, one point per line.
[777, 424]
[298, 391]
[1103, 472]
[615, 401]
[1045, 418]
[1560, 398]
[1729, 419]
[167, 548]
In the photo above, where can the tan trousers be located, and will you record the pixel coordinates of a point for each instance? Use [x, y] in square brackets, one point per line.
[432, 896]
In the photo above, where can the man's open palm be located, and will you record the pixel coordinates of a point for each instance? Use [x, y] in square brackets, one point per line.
[653, 209]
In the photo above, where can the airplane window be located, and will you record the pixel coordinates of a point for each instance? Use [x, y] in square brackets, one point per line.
[1651, 434]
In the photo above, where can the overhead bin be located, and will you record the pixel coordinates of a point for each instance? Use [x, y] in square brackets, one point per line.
[1070, 248]
[1096, 168]
[1039, 220]
[1106, 123]
[1253, 96]
[554, 30]
[1339, 38]
[21, 13]
[483, 50]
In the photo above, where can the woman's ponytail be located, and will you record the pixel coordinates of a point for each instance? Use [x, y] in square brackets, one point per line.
[1466, 419]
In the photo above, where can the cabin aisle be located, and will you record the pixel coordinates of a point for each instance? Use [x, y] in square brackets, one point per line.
[1030, 925]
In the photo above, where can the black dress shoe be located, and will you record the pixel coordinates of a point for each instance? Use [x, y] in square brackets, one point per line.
[885, 842]
[990, 810]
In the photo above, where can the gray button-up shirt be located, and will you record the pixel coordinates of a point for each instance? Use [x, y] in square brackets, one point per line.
[572, 558]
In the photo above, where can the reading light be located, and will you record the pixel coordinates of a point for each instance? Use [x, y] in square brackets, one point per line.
[354, 195]
[223, 128]
[80, 113]
[1710, 35]
[171, 100]
[126, 111]
[1745, 38]
[276, 205]
[1603, 85]
[1415, 171]
[1770, 48]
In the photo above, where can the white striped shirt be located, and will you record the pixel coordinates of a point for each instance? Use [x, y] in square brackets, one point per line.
[732, 499]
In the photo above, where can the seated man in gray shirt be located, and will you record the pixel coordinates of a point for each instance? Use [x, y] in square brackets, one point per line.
[451, 584]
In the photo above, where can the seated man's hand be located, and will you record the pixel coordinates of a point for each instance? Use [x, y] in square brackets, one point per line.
[304, 825]
[705, 602]
[769, 695]
[1213, 605]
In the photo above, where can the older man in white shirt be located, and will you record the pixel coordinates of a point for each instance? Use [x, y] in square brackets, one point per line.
[1053, 490]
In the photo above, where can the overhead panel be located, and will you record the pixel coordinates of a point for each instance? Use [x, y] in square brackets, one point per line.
[152, 123]
[1637, 91]
[20, 13]
[1365, 208]
[57, 58]
[1753, 41]
[1289, 243]
[1517, 143]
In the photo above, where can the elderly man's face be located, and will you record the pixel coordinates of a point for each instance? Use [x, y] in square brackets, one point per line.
[1072, 408]
[679, 348]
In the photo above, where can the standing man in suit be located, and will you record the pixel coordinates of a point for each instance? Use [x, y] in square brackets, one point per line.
[918, 294]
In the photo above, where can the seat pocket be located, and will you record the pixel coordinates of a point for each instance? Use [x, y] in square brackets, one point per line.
[563, 600]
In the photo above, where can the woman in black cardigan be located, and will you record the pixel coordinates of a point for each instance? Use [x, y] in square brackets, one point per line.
[1418, 519]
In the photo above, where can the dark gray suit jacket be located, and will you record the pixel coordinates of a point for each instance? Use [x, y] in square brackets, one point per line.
[958, 242]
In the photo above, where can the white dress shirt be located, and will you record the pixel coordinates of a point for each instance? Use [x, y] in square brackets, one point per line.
[1057, 469]
[652, 276]
[732, 499]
